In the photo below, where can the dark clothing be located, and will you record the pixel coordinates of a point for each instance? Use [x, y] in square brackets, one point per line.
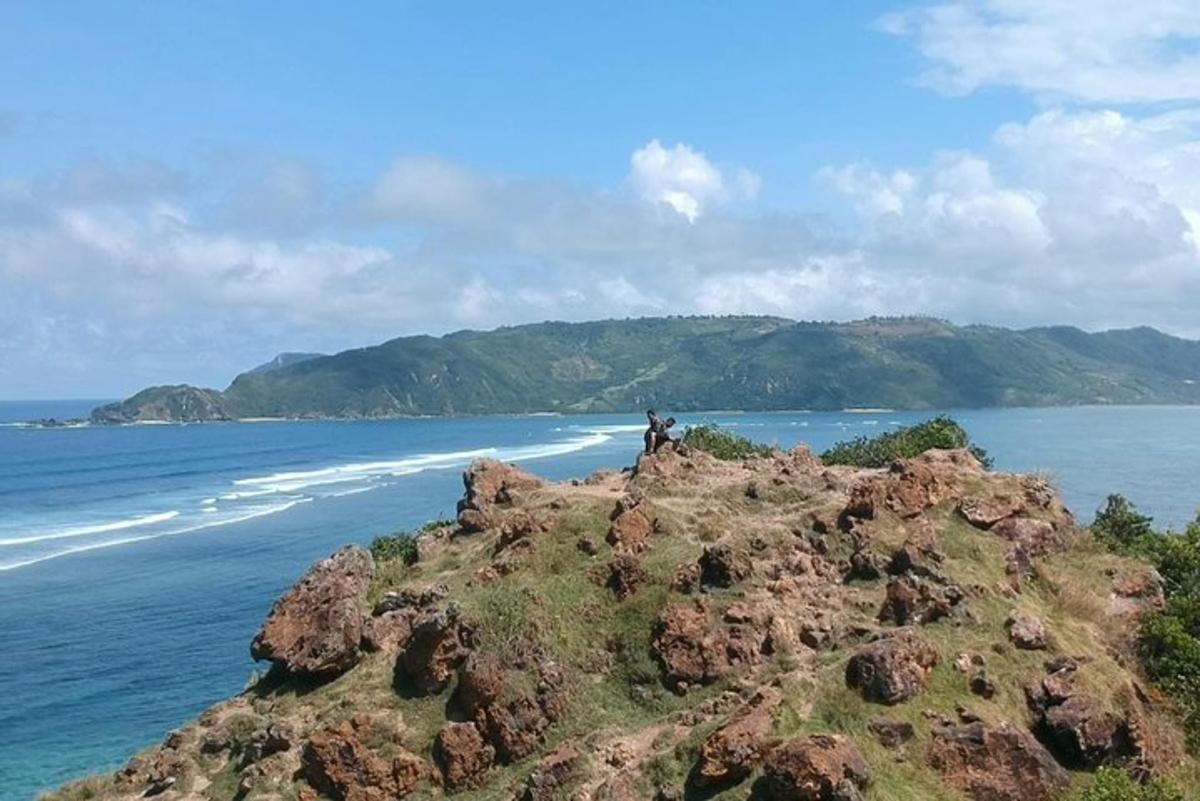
[657, 434]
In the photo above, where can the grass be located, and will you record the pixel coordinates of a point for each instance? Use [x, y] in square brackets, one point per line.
[903, 443]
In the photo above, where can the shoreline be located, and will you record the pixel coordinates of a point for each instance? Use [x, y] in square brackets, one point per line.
[76, 423]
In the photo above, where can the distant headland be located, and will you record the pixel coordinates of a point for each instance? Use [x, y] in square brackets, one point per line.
[696, 363]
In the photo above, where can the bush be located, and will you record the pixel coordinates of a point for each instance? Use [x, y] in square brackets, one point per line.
[721, 443]
[1119, 525]
[401, 545]
[1169, 641]
[1111, 784]
[904, 443]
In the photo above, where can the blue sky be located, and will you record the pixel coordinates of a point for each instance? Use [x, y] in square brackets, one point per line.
[186, 189]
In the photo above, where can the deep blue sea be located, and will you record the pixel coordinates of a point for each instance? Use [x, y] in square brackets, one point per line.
[137, 562]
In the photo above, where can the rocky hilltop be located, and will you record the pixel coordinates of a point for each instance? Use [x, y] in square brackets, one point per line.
[700, 363]
[768, 628]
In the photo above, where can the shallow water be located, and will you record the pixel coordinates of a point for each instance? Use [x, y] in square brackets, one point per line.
[136, 562]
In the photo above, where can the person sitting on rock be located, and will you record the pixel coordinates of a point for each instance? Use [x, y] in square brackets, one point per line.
[657, 434]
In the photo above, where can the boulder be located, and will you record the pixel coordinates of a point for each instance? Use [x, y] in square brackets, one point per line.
[732, 752]
[489, 483]
[996, 763]
[516, 728]
[625, 575]
[272, 738]
[550, 779]
[914, 600]
[630, 532]
[388, 632]
[687, 647]
[392, 620]
[820, 767]
[985, 512]
[891, 733]
[914, 559]
[1076, 725]
[316, 627]
[1026, 631]
[439, 643]
[462, 754]
[1038, 536]
[480, 683]
[521, 528]
[723, 565]
[686, 578]
[892, 670]
[336, 762]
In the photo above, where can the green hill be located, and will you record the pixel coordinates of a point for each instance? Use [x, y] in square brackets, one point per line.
[697, 363]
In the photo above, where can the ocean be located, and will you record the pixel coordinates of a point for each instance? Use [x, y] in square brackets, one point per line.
[137, 562]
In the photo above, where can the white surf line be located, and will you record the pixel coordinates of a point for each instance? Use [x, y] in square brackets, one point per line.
[126, 540]
[101, 528]
[292, 481]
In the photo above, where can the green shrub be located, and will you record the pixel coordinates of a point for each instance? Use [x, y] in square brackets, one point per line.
[1119, 525]
[401, 545]
[1111, 784]
[904, 443]
[1169, 641]
[721, 443]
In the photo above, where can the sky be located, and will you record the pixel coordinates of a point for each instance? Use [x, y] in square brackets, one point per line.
[187, 189]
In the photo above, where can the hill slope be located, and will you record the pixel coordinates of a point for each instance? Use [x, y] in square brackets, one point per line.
[770, 628]
[687, 364]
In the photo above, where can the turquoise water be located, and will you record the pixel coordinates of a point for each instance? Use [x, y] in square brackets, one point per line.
[137, 562]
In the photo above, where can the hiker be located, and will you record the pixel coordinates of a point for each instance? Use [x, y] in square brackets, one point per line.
[657, 434]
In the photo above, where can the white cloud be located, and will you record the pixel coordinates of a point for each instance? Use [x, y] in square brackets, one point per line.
[1098, 51]
[1085, 217]
[685, 180]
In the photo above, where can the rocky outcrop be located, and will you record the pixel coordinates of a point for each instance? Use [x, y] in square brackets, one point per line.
[391, 622]
[1076, 725]
[554, 774]
[732, 752]
[686, 648]
[996, 762]
[821, 767]
[724, 565]
[315, 629]
[336, 762]
[624, 575]
[462, 754]
[740, 604]
[439, 643]
[630, 532]
[489, 484]
[912, 600]
[892, 670]
[1026, 631]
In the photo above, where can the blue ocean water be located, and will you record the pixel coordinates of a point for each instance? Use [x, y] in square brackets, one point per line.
[136, 562]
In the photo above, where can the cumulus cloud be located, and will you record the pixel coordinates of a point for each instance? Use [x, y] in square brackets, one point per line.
[1090, 220]
[1085, 217]
[685, 180]
[1108, 51]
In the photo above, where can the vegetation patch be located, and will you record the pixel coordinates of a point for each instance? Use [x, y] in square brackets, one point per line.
[723, 444]
[904, 443]
[1170, 639]
[1111, 784]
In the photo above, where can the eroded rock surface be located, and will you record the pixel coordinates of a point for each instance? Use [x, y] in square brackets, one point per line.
[892, 670]
[996, 762]
[316, 627]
